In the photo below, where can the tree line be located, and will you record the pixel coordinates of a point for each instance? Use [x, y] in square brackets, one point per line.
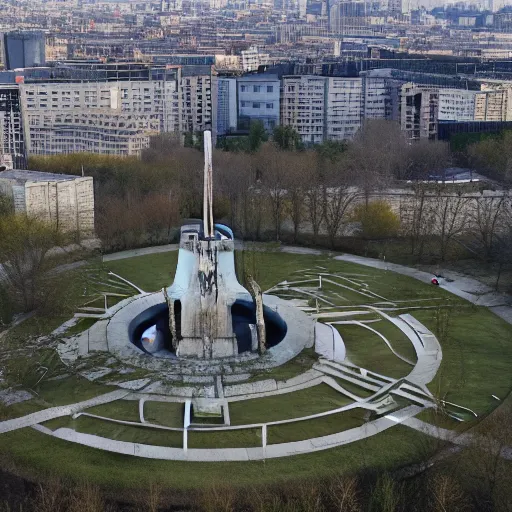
[276, 189]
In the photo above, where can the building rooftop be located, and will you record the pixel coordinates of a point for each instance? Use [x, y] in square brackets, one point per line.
[23, 176]
[259, 77]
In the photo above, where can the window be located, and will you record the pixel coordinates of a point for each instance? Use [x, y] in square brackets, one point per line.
[242, 88]
[270, 88]
[270, 105]
[256, 88]
[255, 105]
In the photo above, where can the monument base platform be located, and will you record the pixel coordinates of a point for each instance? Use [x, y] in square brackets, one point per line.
[202, 349]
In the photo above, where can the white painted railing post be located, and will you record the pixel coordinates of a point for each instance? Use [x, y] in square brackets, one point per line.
[186, 423]
[319, 282]
[141, 410]
[264, 436]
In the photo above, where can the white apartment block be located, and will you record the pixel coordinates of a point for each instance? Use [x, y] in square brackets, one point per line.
[115, 118]
[252, 59]
[303, 102]
[98, 117]
[344, 110]
[456, 105]
[258, 99]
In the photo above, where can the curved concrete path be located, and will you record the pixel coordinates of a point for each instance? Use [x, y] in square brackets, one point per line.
[56, 412]
[240, 454]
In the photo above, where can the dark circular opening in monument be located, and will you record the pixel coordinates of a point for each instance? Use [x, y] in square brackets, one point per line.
[243, 313]
[149, 330]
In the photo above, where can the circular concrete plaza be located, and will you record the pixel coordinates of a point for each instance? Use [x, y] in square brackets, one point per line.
[366, 352]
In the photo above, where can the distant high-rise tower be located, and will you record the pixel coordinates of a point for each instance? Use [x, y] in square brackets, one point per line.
[24, 49]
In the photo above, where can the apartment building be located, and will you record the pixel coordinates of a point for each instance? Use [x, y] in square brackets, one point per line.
[225, 113]
[344, 108]
[194, 99]
[303, 103]
[252, 58]
[419, 111]
[98, 117]
[12, 141]
[493, 104]
[258, 99]
[114, 117]
[456, 105]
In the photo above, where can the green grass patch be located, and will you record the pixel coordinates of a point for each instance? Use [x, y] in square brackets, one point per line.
[129, 433]
[477, 355]
[305, 402]
[168, 414]
[296, 366]
[127, 410]
[70, 390]
[151, 272]
[244, 438]
[368, 350]
[396, 337]
[317, 427]
[35, 454]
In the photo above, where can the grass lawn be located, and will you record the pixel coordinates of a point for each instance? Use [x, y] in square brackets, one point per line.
[477, 354]
[399, 341]
[368, 350]
[299, 364]
[36, 454]
[82, 325]
[151, 272]
[127, 410]
[317, 427]
[245, 438]
[305, 402]
[167, 414]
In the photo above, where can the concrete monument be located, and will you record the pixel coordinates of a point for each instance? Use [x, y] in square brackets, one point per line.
[205, 286]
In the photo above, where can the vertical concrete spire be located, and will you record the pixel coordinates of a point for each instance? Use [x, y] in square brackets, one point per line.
[208, 187]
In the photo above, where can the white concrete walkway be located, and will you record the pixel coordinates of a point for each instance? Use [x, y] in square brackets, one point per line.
[57, 412]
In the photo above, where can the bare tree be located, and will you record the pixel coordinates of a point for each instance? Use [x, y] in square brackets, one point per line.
[301, 165]
[341, 194]
[418, 218]
[486, 217]
[375, 154]
[450, 219]
[314, 194]
[273, 165]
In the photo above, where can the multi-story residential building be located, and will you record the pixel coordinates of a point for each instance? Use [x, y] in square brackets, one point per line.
[11, 126]
[303, 102]
[97, 117]
[253, 58]
[344, 108]
[195, 94]
[258, 99]
[225, 110]
[456, 105]
[114, 117]
[493, 104]
[419, 111]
